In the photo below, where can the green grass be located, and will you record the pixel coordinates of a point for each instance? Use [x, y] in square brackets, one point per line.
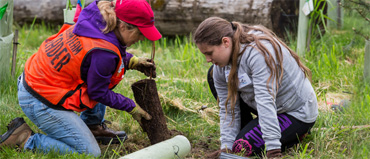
[337, 67]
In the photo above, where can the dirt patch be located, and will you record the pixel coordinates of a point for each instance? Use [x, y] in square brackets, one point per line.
[205, 145]
[199, 148]
[199, 151]
[174, 132]
[132, 145]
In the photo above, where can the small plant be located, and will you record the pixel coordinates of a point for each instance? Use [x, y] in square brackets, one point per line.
[69, 5]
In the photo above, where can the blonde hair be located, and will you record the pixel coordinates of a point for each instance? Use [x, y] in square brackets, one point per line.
[213, 29]
[109, 15]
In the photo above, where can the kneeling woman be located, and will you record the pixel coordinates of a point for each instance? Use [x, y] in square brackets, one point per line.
[255, 72]
[76, 70]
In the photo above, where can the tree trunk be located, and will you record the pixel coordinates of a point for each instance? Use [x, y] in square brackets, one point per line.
[180, 17]
[146, 96]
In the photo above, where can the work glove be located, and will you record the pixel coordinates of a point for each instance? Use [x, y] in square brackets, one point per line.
[143, 65]
[138, 113]
[216, 154]
[276, 153]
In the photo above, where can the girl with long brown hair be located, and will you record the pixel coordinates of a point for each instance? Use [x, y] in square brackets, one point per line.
[253, 71]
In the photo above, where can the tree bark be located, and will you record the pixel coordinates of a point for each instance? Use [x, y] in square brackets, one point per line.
[146, 96]
[181, 17]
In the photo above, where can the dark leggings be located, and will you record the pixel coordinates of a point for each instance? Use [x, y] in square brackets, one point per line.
[249, 140]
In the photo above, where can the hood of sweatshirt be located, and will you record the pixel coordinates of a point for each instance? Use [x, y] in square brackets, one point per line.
[90, 24]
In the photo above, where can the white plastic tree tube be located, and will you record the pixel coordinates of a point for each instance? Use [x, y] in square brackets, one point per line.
[176, 147]
[5, 56]
[69, 15]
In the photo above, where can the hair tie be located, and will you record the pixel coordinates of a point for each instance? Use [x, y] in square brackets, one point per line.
[233, 26]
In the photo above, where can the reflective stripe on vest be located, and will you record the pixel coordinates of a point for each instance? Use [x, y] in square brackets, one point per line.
[54, 72]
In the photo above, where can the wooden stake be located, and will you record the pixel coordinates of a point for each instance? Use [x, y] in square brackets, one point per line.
[14, 59]
[339, 15]
[335, 14]
[153, 50]
[367, 61]
[152, 58]
[309, 35]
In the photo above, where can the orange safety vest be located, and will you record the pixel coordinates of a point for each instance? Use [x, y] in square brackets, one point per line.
[53, 74]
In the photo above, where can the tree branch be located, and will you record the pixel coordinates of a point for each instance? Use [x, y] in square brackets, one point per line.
[361, 3]
[362, 14]
[361, 34]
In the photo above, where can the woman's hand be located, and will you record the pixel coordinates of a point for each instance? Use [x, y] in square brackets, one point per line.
[143, 65]
[138, 113]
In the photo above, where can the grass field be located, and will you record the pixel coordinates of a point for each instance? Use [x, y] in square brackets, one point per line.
[336, 61]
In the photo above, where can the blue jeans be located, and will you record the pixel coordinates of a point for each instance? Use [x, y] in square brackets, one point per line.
[66, 131]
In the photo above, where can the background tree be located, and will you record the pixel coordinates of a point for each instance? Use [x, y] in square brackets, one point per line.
[363, 9]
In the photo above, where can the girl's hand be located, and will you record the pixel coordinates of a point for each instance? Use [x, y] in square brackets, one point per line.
[216, 154]
[274, 153]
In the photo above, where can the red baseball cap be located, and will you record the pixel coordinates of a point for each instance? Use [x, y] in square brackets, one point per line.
[140, 14]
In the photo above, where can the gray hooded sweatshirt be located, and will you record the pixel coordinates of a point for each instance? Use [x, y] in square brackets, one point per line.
[295, 95]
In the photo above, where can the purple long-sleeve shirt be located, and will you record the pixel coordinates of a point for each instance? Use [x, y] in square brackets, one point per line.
[99, 65]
